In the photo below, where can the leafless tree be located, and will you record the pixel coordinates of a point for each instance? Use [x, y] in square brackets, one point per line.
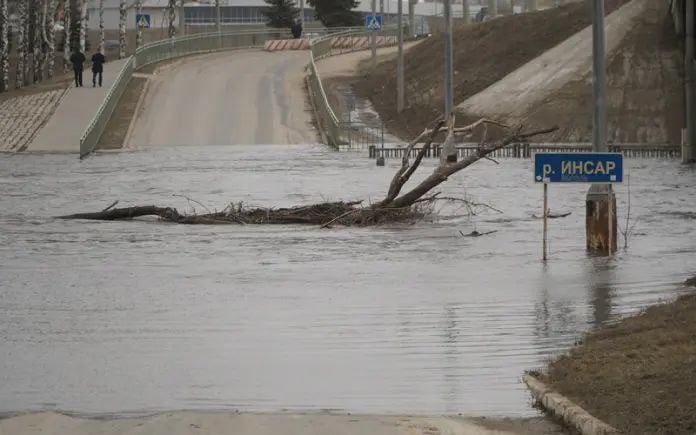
[37, 10]
[4, 47]
[67, 23]
[394, 207]
[83, 25]
[22, 42]
[123, 15]
[139, 34]
[171, 9]
[101, 26]
[49, 36]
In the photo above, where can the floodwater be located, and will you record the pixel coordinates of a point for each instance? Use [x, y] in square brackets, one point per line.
[136, 317]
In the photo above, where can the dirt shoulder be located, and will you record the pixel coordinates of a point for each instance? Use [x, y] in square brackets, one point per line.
[483, 54]
[638, 375]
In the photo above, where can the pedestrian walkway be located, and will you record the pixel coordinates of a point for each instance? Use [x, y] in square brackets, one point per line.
[74, 113]
[22, 117]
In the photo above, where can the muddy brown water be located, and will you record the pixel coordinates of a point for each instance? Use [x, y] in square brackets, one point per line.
[116, 318]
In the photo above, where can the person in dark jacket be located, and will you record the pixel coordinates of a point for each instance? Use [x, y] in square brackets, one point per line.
[78, 60]
[296, 29]
[98, 61]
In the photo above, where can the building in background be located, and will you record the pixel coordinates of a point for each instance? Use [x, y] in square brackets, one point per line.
[245, 12]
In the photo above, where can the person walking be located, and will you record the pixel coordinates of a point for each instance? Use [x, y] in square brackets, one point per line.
[98, 61]
[78, 60]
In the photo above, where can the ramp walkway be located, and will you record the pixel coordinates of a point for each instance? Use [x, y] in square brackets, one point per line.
[74, 113]
[532, 83]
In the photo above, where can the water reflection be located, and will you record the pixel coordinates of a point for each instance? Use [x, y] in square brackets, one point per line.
[600, 279]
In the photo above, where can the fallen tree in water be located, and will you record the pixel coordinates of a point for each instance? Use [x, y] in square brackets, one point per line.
[395, 207]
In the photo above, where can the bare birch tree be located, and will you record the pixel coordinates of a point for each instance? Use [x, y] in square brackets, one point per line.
[171, 9]
[83, 25]
[139, 34]
[123, 16]
[50, 37]
[101, 26]
[36, 41]
[67, 23]
[5, 48]
[22, 21]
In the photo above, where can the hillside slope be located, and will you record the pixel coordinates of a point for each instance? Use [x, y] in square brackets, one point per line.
[645, 90]
[484, 54]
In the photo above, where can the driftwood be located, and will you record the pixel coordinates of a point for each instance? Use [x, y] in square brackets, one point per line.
[553, 215]
[395, 207]
[477, 234]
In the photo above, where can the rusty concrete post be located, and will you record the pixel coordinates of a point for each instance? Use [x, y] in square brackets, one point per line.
[600, 220]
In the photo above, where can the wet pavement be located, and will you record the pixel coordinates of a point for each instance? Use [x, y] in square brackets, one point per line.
[137, 317]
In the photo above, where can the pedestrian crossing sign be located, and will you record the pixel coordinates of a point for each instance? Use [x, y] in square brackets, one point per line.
[373, 23]
[142, 21]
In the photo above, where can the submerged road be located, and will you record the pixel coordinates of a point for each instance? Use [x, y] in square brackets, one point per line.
[239, 97]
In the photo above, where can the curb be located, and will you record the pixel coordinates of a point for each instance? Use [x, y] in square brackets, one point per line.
[136, 111]
[562, 407]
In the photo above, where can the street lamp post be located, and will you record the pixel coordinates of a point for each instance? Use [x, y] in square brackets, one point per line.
[449, 151]
[600, 219]
[689, 150]
[373, 37]
[400, 61]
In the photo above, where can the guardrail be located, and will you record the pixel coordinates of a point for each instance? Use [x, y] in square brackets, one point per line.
[527, 150]
[91, 136]
[169, 49]
[335, 131]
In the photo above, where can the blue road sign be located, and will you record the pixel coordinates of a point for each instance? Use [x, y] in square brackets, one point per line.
[578, 167]
[143, 21]
[373, 23]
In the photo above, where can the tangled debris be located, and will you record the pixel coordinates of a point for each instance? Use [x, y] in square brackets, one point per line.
[396, 207]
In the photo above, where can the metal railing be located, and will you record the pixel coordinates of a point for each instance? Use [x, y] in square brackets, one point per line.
[527, 150]
[335, 131]
[170, 49]
[93, 133]
[203, 43]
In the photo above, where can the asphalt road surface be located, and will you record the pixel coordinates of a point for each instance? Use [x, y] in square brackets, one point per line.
[233, 98]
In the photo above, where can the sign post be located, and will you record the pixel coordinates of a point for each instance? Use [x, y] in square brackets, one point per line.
[601, 169]
[546, 217]
[143, 21]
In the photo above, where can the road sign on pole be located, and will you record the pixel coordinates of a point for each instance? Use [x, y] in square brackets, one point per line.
[373, 23]
[578, 168]
[602, 169]
[143, 21]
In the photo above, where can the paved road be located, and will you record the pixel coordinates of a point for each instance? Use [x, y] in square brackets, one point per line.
[73, 115]
[238, 97]
[219, 423]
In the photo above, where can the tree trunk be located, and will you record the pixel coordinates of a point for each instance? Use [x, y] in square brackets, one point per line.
[101, 26]
[22, 18]
[83, 26]
[50, 37]
[66, 34]
[445, 169]
[139, 34]
[75, 25]
[171, 9]
[36, 40]
[123, 15]
[5, 47]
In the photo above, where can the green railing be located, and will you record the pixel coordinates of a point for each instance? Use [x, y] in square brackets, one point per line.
[170, 49]
[335, 131]
[91, 136]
